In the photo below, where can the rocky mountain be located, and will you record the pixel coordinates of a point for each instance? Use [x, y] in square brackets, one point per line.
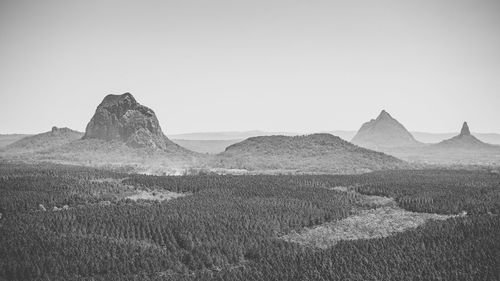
[318, 153]
[465, 140]
[53, 138]
[122, 134]
[122, 118]
[384, 132]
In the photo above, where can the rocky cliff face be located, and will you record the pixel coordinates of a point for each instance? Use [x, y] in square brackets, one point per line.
[122, 118]
[384, 132]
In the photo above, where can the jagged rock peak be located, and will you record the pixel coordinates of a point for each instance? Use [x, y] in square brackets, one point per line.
[465, 140]
[122, 118]
[465, 130]
[111, 100]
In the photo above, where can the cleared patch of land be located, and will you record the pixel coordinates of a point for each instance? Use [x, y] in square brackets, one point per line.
[384, 220]
[155, 195]
[124, 191]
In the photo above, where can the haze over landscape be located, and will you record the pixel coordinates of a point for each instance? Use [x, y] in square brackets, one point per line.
[280, 66]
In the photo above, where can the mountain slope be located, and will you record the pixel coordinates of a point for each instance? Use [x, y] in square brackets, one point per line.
[6, 139]
[465, 140]
[385, 131]
[54, 138]
[317, 153]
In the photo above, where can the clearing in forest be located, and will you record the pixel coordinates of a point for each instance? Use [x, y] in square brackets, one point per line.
[155, 195]
[119, 190]
[384, 220]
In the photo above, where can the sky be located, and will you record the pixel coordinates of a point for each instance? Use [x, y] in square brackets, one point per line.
[226, 65]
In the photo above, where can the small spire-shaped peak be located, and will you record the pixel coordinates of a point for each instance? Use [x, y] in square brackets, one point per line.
[384, 114]
[465, 130]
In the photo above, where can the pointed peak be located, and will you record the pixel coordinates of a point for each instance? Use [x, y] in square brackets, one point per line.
[384, 114]
[465, 130]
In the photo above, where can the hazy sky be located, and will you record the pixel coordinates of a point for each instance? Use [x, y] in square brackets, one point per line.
[287, 65]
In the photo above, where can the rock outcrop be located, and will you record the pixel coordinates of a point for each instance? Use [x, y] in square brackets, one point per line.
[122, 118]
[465, 130]
[465, 140]
[384, 132]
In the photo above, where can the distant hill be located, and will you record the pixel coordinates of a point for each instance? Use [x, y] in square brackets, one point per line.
[321, 153]
[229, 135]
[465, 140]
[206, 146]
[462, 149]
[6, 139]
[347, 135]
[53, 138]
[218, 144]
[384, 132]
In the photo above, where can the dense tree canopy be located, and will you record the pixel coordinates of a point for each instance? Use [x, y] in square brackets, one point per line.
[228, 227]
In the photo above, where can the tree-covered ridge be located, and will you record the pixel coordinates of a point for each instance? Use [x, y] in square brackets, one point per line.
[323, 153]
[228, 228]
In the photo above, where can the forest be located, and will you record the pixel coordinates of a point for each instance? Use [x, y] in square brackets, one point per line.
[61, 222]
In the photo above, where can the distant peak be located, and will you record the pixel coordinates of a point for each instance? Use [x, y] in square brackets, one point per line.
[465, 130]
[385, 131]
[384, 114]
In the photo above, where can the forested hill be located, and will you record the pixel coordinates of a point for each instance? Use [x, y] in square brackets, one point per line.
[51, 139]
[322, 153]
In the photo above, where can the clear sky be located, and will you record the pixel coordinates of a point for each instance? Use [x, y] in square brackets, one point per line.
[288, 65]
